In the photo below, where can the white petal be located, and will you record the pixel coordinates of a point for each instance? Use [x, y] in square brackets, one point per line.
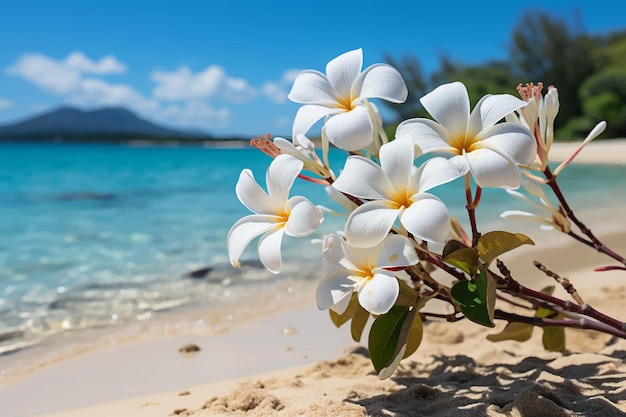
[350, 131]
[312, 87]
[394, 251]
[460, 163]
[340, 198]
[332, 248]
[280, 176]
[396, 160]
[342, 305]
[370, 223]
[490, 109]
[344, 70]
[491, 169]
[333, 288]
[252, 195]
[427, 218]
[362, 178]
[285, 146]
[380, 293]
[246, 229]
[449, 105]
[307, 116]
[427, 134]
[337, 251]
[380, 81]
[435, 172]
[269, 250]
[512, 140]
[304, 218]
[525, 216]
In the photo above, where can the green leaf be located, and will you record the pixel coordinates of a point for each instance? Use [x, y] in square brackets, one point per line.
[554, 339]
[359, 320]
[452, 246]
[477, 300]
[407, 295]
[414, 338]
[459, 255]
[553, 336]
[493, 244]
[513, 331]
[388, 338]
[340, 319]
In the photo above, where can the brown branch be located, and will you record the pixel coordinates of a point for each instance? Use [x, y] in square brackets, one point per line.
[580, 323]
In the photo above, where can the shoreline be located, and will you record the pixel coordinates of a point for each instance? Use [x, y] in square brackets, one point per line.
[122, 378]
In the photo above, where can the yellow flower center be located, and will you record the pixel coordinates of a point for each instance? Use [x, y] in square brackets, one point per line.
[464, 143]
[345, 103]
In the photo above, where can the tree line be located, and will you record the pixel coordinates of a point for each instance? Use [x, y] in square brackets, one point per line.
[588, 70]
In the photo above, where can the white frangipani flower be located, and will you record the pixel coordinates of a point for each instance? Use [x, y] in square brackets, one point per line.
[490, 150]
[364, 271]
[396, 188]
[276, 213]
[339, 96]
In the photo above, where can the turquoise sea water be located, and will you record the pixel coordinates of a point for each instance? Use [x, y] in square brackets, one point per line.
[91, 235]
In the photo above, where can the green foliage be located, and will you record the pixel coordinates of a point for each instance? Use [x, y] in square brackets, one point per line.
[493, 244]
[589, 72]
[457, 254]
[354, 312]
[394, 336]
[477, 299]
[553, 336]
[552, 51]
[520, 332]
[359, 319]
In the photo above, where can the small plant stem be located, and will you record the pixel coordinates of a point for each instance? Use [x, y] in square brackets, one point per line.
[448, 317]
[580, 323]
[471, 207]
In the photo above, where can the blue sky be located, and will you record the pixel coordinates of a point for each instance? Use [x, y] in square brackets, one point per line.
[226, 66]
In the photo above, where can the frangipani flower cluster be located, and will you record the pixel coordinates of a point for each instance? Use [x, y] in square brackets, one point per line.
[381, 263]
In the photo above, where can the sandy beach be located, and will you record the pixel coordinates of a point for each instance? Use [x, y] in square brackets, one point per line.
[294, 362]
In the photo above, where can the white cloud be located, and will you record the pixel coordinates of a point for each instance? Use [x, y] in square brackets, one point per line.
[212, 82]
[5, 103]
[92, 91]
[197, 114]
[182, 84]
[277, 91]
[50, 75]
[106, 65]
[62, 77]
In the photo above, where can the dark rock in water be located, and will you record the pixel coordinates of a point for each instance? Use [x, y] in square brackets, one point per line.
[11, 334]
[86, 196]
[67, 303]
[189, 348]
[199, 273]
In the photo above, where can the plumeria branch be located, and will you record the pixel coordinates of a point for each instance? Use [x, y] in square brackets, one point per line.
[579, 323]
[594, 242]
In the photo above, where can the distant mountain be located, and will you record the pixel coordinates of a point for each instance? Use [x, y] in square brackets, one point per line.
[75, 122]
